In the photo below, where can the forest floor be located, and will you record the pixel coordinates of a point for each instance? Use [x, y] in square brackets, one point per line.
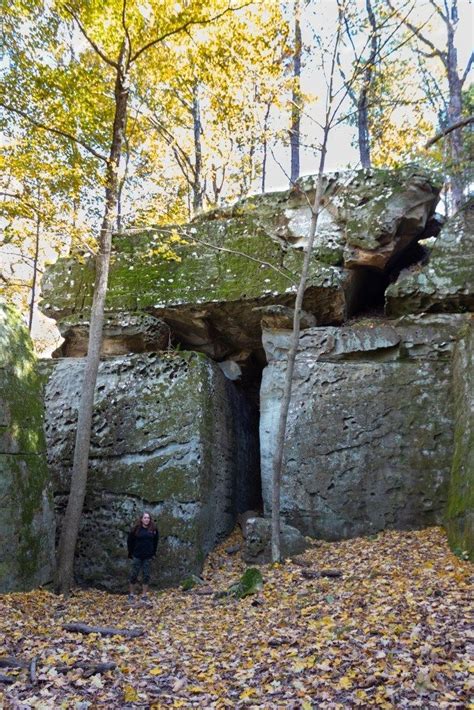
[392, 631]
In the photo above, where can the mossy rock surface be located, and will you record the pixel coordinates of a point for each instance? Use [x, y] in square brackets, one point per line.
[369, 442]
[229, 261]
[26, 515]
[165, 438]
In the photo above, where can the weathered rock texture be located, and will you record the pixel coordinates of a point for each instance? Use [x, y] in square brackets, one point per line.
[250, 255]
[460, 512]
[370, 431]
[170, 435]
[446, 283]
[26, 512]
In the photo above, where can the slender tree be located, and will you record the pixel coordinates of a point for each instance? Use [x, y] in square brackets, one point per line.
[333, 105]
[296, 96]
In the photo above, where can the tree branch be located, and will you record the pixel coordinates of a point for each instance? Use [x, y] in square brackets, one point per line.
[468, 68]
[183, 27]
[445, 131]
[125, 27]
[56, 131]
[93, 44]
[435, 52]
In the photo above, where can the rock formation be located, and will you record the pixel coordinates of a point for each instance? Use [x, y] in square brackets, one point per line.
[170, 435]
[380, 428]
[27, 526]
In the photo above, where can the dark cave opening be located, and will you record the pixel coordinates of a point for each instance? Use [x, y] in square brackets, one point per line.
[369, 294]
[246, 395]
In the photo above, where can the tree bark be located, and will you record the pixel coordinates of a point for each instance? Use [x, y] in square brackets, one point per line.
[35, 259]
[265, 145]
[197, 130]
[296, 99]
[102, 630]
[454, 111]
[71, 522]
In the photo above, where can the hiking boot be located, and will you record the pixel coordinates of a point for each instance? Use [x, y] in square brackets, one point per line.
[131, 598]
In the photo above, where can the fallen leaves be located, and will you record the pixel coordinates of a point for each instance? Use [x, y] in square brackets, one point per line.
[389, 630]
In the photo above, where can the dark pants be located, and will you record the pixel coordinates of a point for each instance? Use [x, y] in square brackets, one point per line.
[144, 566]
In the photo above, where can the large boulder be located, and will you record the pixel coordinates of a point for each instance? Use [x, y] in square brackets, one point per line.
[206, 279]
[445, 284]
[369, 439]
[171, 435]
[27, 528]
[460, 510]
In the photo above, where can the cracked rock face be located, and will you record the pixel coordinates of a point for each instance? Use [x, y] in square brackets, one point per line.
[26, 511]
[233, 260]
[446, 283]
[170, 435]
[370, 429]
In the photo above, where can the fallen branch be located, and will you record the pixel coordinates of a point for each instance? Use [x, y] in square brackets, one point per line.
[12, 662]
[33, 670]
[89, 668]
[6, 679]
[103, 630]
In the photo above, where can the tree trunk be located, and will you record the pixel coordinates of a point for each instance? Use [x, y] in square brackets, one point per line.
[71, 522]
[363, 100]
[285, 404]
[455, 140]
[296, 99]
[265, 145]
[35, 260]
[197, 130]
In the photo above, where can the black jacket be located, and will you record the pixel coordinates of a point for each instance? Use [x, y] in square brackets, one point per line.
[142, 543]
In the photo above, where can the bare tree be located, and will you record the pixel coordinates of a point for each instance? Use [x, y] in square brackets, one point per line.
[360, 96]
[332, 107]
[448, 13]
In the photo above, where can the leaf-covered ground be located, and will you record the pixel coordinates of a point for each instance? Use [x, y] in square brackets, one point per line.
[391, 632]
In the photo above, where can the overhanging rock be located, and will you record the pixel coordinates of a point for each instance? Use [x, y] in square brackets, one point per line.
[446, 283]
[229, 262]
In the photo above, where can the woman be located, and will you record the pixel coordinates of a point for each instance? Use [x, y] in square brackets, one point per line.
[142, 542]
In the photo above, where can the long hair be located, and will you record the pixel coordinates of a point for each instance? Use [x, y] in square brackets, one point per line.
[138, 523]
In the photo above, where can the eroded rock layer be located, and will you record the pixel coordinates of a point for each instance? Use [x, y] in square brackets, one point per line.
[206, 279]
[164, 438]
[369, 441]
